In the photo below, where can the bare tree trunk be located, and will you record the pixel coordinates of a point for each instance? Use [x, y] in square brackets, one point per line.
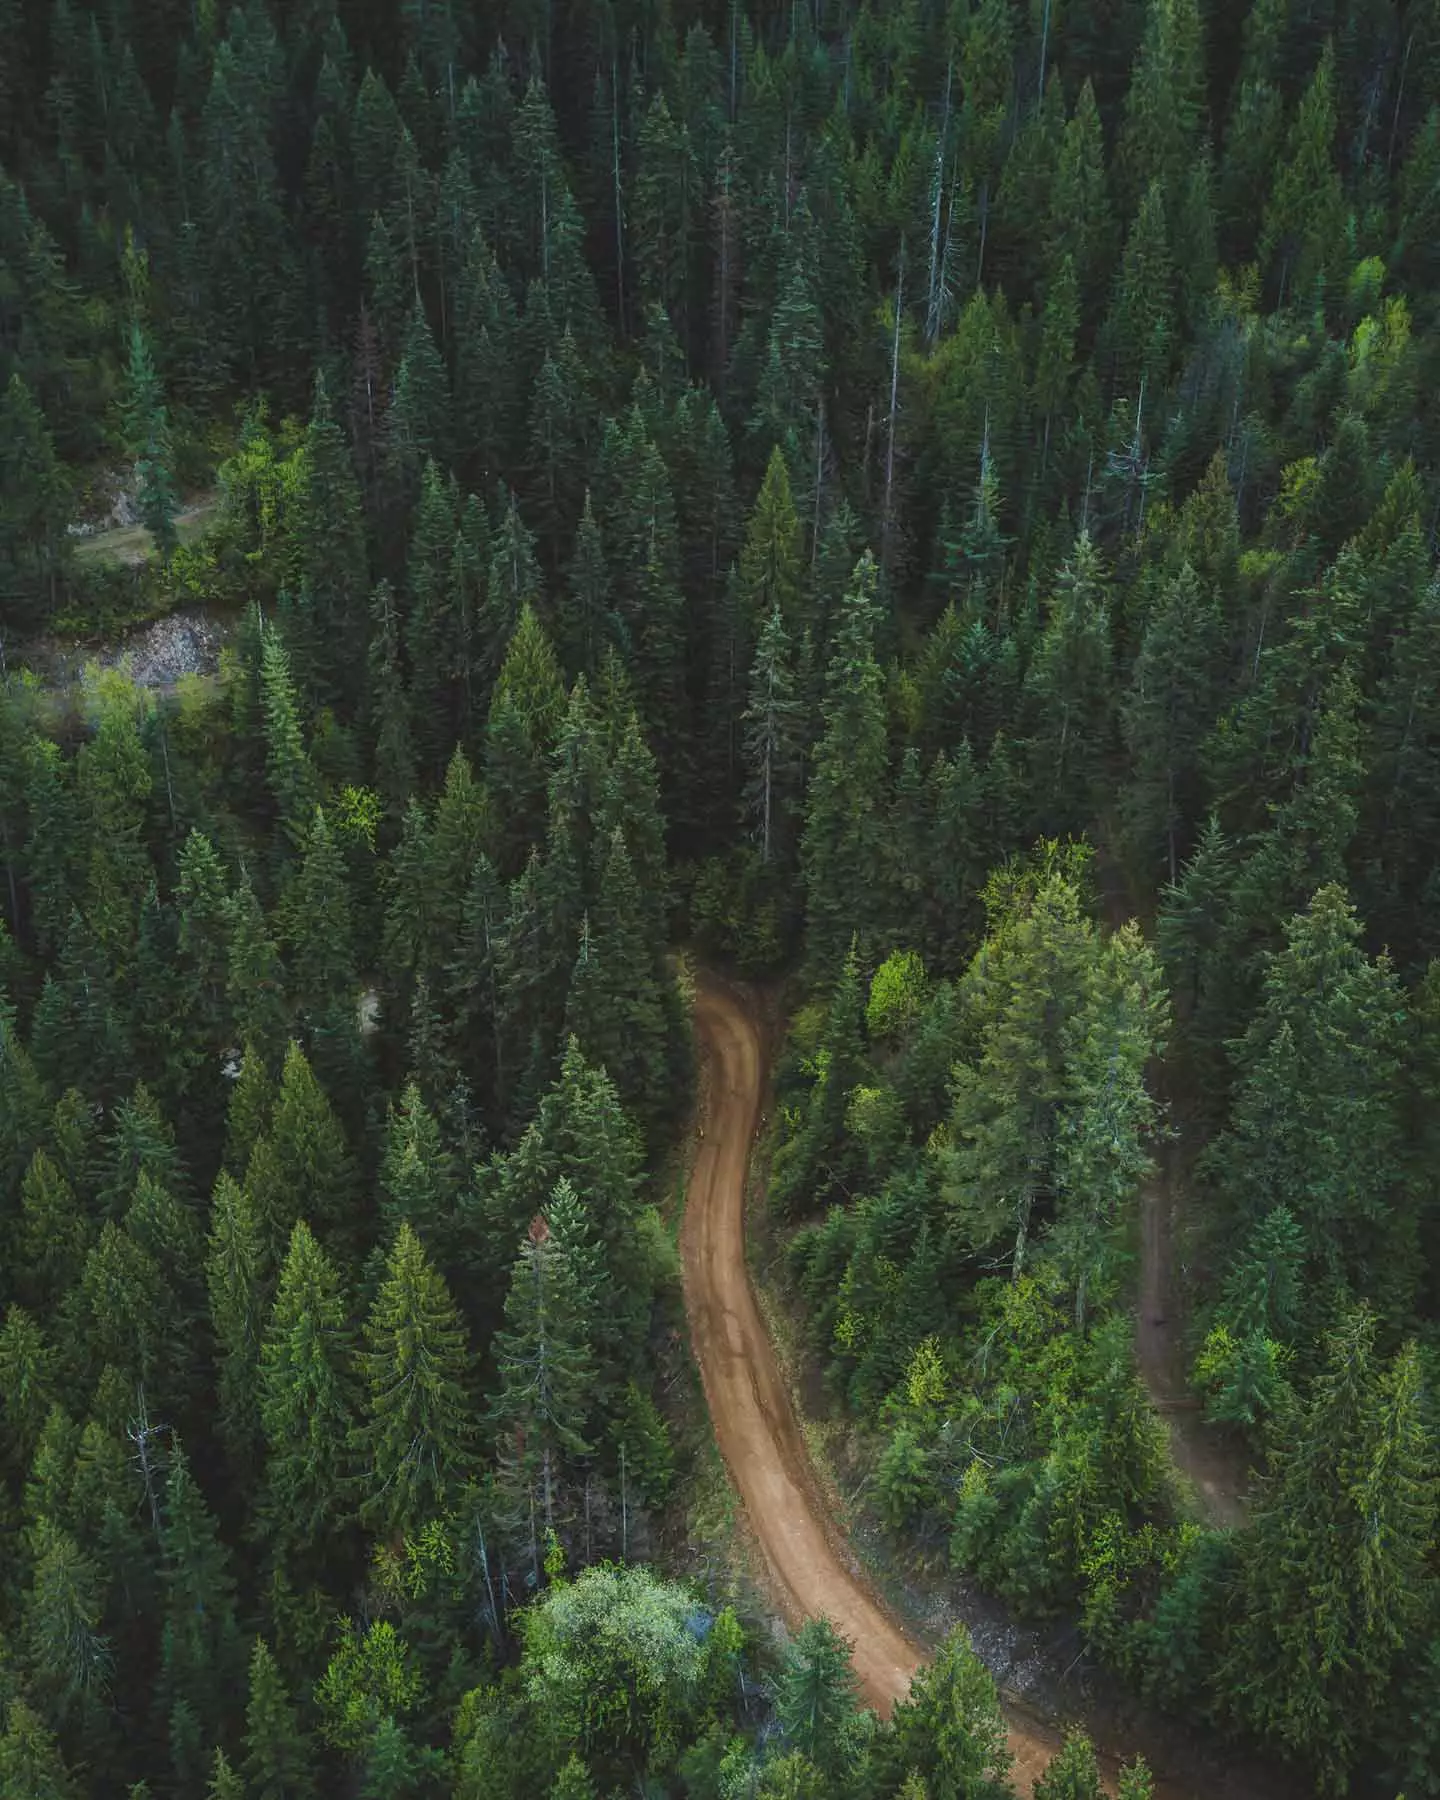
[624, 1510]
[888, 515]
[619, 198]
[937, 185]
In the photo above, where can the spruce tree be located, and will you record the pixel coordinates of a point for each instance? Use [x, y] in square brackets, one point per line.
[416, 1428]
[949, 1729]
[845, 850]
[278, 1758]
[306, 1403]
[237, 1275]
[1068, 694]
[817, 1702]
[1315, 1124]
[773, 737]
[1333, 1577]
[147, 430]
[546, 1380]
[201, 1657]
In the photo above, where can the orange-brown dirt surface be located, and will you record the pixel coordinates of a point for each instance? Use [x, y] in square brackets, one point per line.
[755, 1425]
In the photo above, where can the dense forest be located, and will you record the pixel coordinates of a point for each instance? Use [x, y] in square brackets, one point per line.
[932, 507]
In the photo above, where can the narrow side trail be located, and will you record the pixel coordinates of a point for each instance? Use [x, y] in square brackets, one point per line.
[755, 1425]
[1216, 1468]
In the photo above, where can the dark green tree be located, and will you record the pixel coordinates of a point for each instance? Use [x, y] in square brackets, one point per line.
[416, 1428]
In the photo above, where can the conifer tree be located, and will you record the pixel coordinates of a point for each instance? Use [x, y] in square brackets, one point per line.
[417, 1424]
[201, 1657]
[236, 1274]
[288, 768]
[844, 853]
[1333, 1576]
[545, 1379]
[278, 1760]
[254, 981]
[27, 1383]
[35, 508]
[773, 733]
[616, 1009]
[1068, 693]
[311, 1154]
[1304, 221]
[306, 1402]
[30, 1762]
[1315, 1122]
[55, 1234]
[770, 565]
[1072, 1773]
[817, 1702]
[949, 1729]
[419, 1185]
[334, 560]
[1165, 716]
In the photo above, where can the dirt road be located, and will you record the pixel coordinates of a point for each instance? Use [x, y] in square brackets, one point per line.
[1214, 1467]
[755, 1424]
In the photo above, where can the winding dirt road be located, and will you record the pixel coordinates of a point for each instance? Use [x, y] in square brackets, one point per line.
[755, 1425]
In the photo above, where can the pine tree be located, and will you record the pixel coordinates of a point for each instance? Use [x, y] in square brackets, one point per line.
[579, 1133]
[949, 1729]
[306, 1404]
[546, 1379]
[147, 430]
[316, 914]
[419, 1184]
[816, 1165]
[30, 1762]
[278, 1758]
[770, 565]
[1165, 107]
[55, 1234]
[817, 1701]
[1304, 224]
[1073, 1773]
[288, 768]
[254, 982]
[388, 705]
[312, 1159]
[417, 1424]
[430, 627]
[616, 1009]
[1140, 327]
[236, 1274]
[332, 538]
[586, 617]
[773, 735]
[252, 1100]
[201, 1658]
[844, 852]
[1165, 716]
[1333, 1578]
[34, 510]
[1315, 1123]
[1067, 690]
[71, 1658]
[224, 1783]
[27, 1384]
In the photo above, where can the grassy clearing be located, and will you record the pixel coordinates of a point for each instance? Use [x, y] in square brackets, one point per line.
[131, 546]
